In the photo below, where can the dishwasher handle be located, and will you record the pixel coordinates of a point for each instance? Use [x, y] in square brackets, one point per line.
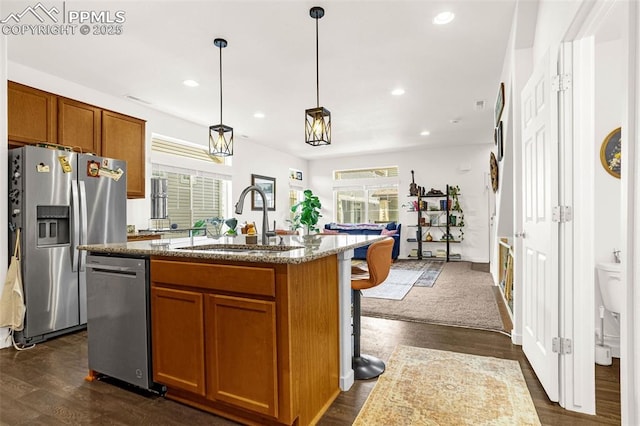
[112, 268]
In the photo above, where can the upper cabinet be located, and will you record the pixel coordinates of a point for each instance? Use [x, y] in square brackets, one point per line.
[36, 116]
[79, 125]
[119, 136]
[31, 115]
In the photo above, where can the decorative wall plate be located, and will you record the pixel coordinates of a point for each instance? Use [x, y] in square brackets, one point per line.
[610, 154]
[493, 166]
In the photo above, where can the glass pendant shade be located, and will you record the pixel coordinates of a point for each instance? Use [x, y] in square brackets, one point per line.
[317, 128]
[220, 140]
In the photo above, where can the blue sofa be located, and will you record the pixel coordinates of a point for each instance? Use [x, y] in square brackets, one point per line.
[367, 229]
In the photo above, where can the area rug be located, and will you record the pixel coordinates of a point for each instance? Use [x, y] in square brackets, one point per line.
[432, 387]
[396, 286]
[461, 297]
[431, 270]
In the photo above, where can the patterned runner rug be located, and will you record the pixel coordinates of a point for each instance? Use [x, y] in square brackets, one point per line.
[431, 387]
[396, 286]
[431, 270]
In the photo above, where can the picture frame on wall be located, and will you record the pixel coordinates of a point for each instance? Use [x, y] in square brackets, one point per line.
[493, 170]
[499, 104]
[500, 141]
[268, 186]
[610, 153]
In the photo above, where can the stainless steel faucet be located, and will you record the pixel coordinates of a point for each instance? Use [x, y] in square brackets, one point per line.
[616, 255]
[265, 220]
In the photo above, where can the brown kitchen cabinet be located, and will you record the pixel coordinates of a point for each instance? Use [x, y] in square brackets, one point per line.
[241, 345]
[266, 360]
[31, 115]
[178, 338]
[79, 125]
[123, 137]
[36, 116]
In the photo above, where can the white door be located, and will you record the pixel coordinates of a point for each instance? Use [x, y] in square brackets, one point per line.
[540, 239]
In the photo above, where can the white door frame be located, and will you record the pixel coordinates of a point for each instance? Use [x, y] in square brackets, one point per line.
[577, 371]
[577, 307]
[630, 324]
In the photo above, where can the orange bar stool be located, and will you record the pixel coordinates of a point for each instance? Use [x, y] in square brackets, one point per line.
[378, 264]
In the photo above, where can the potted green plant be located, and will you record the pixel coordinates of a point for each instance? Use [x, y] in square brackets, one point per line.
[307, 212]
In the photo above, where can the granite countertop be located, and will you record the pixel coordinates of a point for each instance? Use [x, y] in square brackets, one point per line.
[234, 249]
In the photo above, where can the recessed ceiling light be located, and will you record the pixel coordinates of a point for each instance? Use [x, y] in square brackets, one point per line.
[443, 18]
[259, 115]
[397, 92]
[425, 133]
[191, 83]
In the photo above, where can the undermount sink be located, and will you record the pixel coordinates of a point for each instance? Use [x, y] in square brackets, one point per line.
[241, 248]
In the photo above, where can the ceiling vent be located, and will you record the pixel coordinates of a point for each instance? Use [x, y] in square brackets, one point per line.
[133, 98]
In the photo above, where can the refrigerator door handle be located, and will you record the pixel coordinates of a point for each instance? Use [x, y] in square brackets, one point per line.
[75, 235]
[83, 225]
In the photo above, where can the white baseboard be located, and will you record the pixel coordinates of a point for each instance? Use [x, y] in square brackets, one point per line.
[516, 338]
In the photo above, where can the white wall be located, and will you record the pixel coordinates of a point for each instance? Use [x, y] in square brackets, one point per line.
[434, 168]
[609, 110]
[253, 158]
[554, 19]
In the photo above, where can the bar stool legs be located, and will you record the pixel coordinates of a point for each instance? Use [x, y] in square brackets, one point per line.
[364, 366]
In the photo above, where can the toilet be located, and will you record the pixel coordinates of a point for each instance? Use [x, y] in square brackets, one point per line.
[611, 286]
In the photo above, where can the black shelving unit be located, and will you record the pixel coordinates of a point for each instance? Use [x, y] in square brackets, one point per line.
[446, 236]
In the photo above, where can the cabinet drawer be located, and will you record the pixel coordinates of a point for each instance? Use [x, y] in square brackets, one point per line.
[237, 279]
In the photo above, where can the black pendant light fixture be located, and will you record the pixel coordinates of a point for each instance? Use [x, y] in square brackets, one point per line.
[317, 126]
[220, 136]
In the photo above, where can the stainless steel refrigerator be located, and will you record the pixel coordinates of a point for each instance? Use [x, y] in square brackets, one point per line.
[60, 200]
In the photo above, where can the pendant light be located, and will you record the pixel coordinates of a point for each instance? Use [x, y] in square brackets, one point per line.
[220, 136]
[317, 127]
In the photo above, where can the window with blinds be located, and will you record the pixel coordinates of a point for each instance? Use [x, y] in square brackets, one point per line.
[192, 198]
[193, 191]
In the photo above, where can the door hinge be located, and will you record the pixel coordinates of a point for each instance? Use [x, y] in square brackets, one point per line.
[561, 214]
[561, 82]
[561, 346]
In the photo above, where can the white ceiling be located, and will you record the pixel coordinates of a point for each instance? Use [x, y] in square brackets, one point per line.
[367, 49]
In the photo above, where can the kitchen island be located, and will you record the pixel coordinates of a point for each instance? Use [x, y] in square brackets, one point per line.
[257, 334]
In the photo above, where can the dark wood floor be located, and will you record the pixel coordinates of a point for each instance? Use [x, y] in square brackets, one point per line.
[45, 386]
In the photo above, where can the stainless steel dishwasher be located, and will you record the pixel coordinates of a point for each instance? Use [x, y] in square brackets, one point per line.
[118, 319]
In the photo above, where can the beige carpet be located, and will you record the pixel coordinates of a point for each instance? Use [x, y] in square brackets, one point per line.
[461, 296]
[432, 387]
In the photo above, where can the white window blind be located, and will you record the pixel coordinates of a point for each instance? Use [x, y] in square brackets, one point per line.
[192, 193]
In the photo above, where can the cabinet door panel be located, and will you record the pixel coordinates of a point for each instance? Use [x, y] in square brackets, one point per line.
[178, 339]
[123, 137]
[31, 114]
[79, 125]
[241, 351]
